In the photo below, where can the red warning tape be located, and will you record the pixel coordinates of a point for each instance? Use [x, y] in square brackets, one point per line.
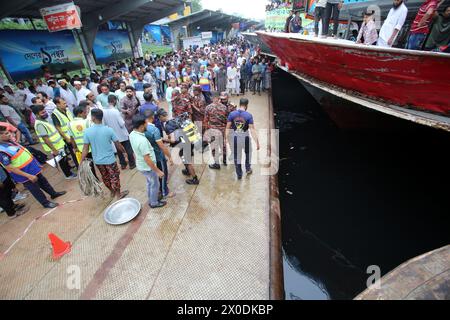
[3, 255]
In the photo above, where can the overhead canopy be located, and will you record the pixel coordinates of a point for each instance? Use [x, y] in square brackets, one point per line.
[206, 20]
[126, 10]
[137, 13]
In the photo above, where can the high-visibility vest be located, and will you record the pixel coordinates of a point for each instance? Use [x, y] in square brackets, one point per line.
[77, 128]
[19, 159]
[53, 135]
[64, 120]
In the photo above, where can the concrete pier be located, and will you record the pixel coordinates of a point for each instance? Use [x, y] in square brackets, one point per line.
[211, 241]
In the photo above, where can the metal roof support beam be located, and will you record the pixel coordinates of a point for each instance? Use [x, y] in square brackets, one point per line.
[192, 20]
[212, 21]
[89, 57]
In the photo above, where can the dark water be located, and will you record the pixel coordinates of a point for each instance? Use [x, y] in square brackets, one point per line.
[354, 198]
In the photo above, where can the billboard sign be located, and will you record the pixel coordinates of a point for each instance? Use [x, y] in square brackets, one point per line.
[112, 45]
[61, 17]
[24, 52]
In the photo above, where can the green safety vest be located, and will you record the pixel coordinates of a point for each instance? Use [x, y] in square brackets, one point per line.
[53, 135]
[77, 128]
[64, 120]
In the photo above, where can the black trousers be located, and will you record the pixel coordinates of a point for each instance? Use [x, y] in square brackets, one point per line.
[65, 166]
[127, 145]
[256, 85]
[242, 83]
[35, 189]
[319, 14]
[331, 10]
[69, 150]
[6, 197]
[241, 143]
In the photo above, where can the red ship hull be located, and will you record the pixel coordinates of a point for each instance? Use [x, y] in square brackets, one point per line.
[413, 79]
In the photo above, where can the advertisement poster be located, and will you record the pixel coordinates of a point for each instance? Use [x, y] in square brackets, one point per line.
[152, 34]
[24, 52]
[111, 46]
[276, 19]
[166, 35]
[61, 17]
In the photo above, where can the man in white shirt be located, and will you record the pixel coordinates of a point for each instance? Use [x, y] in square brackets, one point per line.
[22, 95]
[93, 87]
[48, 104]
[121, 92]
[239, 60]
[82, 92]
[67, 95]
[393, 24]
[43, 87]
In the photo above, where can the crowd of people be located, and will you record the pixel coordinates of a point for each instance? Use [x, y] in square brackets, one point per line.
[429, 31]
[118, 113]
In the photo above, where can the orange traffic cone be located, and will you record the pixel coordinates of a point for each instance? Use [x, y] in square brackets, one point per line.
[60, 247]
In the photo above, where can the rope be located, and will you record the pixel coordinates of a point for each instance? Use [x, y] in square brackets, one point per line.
[89, 184]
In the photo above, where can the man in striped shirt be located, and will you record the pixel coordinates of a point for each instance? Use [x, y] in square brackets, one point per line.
[420, 28]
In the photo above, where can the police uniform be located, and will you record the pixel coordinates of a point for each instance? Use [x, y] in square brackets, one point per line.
[17, 156]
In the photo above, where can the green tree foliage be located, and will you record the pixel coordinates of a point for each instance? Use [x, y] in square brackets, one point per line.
[196, 5]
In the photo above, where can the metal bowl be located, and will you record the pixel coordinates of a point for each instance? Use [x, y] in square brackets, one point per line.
[122, 211]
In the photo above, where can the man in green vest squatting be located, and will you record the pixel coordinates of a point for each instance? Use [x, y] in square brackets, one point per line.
[51, 140]
[61, 117]
[77, 127]
[25, 169]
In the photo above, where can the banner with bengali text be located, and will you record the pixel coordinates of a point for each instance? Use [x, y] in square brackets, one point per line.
[24, 52]
[112, 45]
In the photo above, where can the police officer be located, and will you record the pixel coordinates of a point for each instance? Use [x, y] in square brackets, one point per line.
[7, 188]
[216, 115]
[51, 140]
[25, 169]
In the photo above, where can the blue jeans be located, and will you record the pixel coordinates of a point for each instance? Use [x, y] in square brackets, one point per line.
[152, 187]
[23, 128]
[162, 165]
[415, 41]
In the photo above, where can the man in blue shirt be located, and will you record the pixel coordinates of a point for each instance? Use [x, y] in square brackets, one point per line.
[100, 138]
[153, 135]
[238, 124]
[148, 105]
